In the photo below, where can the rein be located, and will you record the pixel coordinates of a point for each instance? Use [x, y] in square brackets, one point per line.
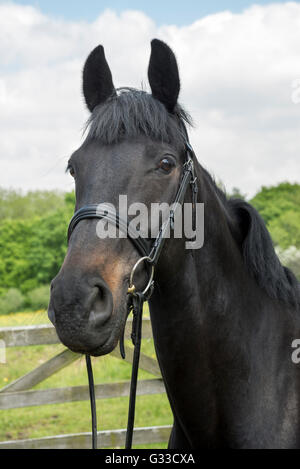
[136, 299]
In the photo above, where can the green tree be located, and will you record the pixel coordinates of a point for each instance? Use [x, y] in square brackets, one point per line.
[38, 298]
[280, 208]
[236, 194]
[32, 250]
[11, 301]
[290, 258]
[16, 205]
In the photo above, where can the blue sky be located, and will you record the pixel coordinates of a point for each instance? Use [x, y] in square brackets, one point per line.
[179, 12]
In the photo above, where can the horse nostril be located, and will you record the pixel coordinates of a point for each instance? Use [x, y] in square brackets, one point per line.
[101, 293]
[101, 307]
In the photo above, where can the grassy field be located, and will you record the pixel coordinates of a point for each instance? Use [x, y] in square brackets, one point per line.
[34, 422]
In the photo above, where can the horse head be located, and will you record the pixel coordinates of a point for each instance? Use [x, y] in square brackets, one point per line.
[135, 147]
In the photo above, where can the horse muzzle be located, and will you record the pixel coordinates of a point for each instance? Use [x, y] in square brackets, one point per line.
[83, 315]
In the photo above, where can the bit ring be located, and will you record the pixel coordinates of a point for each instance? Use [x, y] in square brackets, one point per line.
[132, 288]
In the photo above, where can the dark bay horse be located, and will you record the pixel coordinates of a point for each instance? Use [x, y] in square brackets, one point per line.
[224, 316]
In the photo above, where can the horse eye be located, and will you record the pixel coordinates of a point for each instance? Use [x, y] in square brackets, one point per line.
[71, 171]
[166, 164]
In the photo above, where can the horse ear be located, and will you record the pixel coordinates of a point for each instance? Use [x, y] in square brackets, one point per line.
[163, 74]
[97, 79]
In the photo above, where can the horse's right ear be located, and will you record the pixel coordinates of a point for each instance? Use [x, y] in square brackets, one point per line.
[97, 79]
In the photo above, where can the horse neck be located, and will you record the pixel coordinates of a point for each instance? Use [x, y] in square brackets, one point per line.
[193, 280]
[187, 303]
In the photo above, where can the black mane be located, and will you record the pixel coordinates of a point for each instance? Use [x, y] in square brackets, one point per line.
[258, 250]
[260, 257]
[132, 113]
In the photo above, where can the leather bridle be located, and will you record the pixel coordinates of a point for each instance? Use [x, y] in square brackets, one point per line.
[150, 256]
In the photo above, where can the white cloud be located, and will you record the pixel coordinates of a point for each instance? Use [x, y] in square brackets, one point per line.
[237, 72]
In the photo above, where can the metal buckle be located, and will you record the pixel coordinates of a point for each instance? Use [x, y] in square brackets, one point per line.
[132, 289]
[194, 185]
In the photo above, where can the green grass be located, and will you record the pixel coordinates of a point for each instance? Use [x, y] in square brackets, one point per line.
[35, 422]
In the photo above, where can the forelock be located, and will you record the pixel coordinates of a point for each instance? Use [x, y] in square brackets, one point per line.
[131, 113]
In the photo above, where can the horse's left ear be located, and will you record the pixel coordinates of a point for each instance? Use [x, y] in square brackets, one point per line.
[163, 74]
[97, 79]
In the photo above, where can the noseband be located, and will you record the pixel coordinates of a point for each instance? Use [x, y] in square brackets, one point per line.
[150, 256]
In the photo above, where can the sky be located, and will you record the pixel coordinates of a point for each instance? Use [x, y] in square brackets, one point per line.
[239, 65]
[182, 12]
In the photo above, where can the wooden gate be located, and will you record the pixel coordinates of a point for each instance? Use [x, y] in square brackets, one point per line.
[19, 393]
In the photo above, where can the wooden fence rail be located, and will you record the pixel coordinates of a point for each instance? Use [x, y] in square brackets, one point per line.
[19, 393]
[13, 400]
[45, 334]
[106, 439]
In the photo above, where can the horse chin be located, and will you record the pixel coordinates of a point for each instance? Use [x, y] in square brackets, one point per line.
[103, 350]
[106, 347]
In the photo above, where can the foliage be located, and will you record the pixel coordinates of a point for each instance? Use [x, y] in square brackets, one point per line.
[280, 208]
[70, 200]
[272, 201]
[290, 258]
[33, 249]
[38, 298]
[236, 194]
[15, 205]
[11, 301]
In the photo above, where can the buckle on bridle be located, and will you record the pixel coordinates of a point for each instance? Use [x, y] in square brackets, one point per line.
[193, 183]
[132, 288]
